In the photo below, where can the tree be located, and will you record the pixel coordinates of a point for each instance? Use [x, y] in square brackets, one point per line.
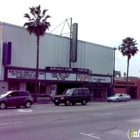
[124, 74]
[128, 48]
[119, 73]
[37, 25]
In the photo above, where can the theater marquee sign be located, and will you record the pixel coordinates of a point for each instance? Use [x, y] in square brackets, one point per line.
[24, 74]
[54, 74]
[61, 76]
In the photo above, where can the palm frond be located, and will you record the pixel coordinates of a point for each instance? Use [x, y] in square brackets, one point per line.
[45, 19]
[32, 10]
[44, 11]
[37, 10]
[27, 15]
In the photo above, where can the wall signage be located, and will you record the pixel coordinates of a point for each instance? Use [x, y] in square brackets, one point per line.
[61, 76]
[99, 79]
[24, 74]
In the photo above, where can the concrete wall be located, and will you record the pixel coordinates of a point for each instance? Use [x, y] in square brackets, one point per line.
[22, 86]
[3, 86]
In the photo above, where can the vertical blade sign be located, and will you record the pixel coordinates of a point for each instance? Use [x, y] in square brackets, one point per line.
[73, 50]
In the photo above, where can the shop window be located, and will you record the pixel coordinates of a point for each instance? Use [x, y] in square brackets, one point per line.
[13, 85]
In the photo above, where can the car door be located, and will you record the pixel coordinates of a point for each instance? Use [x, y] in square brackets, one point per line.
[22, 96]
[87, 94]
[81, 95]
[75, 96]
[124, 97]
[121, 97]
[12, 99]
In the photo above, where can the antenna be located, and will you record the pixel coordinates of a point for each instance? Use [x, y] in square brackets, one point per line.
[69, 23]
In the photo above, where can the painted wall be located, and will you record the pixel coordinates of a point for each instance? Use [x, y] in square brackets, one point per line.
[3, 86]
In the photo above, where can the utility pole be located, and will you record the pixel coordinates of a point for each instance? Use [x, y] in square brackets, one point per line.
[113, 86]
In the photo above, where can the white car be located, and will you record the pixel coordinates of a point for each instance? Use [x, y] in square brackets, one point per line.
[117, 98]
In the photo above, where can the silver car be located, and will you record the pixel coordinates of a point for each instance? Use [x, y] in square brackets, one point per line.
[117, 98]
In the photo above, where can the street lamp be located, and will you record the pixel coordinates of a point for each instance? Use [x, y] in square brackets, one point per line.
[113, 86]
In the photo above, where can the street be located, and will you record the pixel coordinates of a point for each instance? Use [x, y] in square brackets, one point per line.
[96, 120]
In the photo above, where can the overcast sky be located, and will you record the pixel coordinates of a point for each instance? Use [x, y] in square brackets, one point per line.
[104, 22]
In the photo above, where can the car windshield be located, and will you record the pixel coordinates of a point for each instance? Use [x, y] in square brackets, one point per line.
[68, 92]
[4, 93]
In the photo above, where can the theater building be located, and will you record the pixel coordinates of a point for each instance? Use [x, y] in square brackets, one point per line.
[93, 67]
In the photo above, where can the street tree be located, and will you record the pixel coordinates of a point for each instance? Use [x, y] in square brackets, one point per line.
[37, 24]
[128, 48]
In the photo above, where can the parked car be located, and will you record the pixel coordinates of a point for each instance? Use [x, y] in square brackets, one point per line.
[73, 96]
[117, 97]
[15, 98]
[127, 96]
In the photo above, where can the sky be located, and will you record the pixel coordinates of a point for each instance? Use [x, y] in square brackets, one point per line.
[104, 22]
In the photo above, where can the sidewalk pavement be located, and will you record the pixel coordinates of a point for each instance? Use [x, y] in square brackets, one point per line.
[47, 100]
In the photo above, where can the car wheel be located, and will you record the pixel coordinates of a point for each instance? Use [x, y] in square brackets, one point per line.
[28, 104]
[73, 103]
[117, 100]
[56, 104]
[3, 105]
[67, 103]
[108, 101]
[126, 100]
[84, 102]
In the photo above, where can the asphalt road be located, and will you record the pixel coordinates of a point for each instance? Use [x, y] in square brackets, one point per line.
[102, 120]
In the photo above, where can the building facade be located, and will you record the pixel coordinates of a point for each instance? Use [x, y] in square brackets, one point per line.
[93, 69]
[133, 86]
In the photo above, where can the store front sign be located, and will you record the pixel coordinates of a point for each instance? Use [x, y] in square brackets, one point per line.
[101, 79]
[61, 76]
[24, 74]
[69, 70]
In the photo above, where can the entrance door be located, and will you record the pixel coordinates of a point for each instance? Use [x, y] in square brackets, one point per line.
[133, 92]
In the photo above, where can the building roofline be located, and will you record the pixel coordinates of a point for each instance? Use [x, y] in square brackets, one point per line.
[46, 33]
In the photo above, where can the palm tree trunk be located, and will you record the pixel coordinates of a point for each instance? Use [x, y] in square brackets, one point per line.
[126, 90]
[37, 65]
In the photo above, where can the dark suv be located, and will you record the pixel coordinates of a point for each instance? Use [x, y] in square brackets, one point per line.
[73, 96]
[15, 98]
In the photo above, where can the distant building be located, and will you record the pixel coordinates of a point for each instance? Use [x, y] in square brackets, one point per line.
[133, 86]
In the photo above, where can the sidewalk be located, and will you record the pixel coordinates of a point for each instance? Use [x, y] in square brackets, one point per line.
[47, 100]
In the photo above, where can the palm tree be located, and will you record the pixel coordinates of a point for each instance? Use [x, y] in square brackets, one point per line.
[128, 48]
[37, 25]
